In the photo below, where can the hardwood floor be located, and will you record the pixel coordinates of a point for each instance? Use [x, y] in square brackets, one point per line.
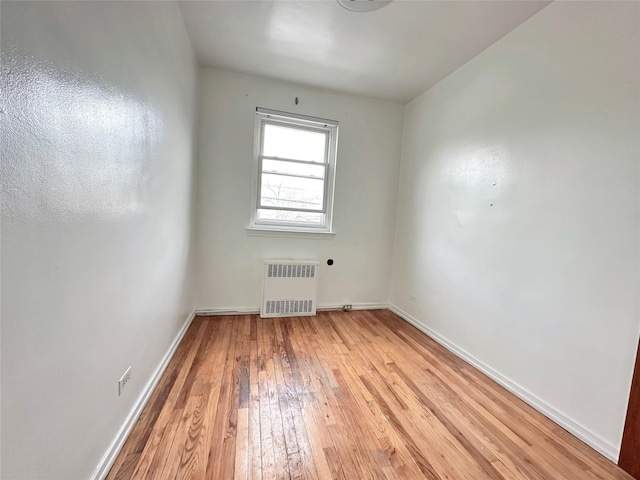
[358, 395]
[630, 449]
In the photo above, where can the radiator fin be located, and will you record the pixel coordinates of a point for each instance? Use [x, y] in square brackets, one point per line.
[289, 307]
[290, 271]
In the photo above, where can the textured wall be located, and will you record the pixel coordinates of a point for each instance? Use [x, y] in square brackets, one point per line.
[96, 217]
[518, 213]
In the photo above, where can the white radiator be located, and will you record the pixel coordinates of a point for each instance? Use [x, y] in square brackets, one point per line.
[290, 288]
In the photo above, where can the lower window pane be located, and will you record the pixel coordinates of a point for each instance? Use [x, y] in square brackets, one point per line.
[307, 218]
[292, 192]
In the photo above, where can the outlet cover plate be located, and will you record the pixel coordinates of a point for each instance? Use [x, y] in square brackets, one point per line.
[124, 380]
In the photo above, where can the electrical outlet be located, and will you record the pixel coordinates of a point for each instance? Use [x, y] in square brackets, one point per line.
[124, 380]
[346, 308]
[412, 299]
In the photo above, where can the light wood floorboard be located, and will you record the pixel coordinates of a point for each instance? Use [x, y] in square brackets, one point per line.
[358, 395]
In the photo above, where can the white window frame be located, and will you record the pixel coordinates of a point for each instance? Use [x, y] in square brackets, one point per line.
[330, 127]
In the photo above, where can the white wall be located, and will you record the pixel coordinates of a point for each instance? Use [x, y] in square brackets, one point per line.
[98, 103]
[542, 287]
[229, 259]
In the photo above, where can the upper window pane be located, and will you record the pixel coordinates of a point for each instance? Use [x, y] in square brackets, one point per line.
[294, 143]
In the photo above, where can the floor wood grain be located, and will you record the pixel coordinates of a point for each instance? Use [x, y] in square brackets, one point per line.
[357, 395]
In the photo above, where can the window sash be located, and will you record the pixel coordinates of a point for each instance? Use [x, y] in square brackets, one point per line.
[289, 209]
[300, 122]
[293, 160]
[295, 118]
[294, 224]
[312, 177]
[325, 163]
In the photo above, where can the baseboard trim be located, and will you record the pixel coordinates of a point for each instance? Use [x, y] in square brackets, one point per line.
[255, 310]
[212, 312]
[355, 306]
[593, 440]
[112, 452]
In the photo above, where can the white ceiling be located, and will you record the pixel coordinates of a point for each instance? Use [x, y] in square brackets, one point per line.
[394, 53]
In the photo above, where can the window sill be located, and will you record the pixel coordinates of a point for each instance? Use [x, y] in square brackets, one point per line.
[282, 232]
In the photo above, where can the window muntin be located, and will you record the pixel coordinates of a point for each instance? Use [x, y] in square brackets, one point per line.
[283, 167]
[294, 172]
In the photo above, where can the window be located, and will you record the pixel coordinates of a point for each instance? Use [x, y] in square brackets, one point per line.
[294, 172]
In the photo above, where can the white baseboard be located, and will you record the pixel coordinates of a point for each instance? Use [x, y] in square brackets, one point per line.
[583, 433]
[112, 452]
[355, 306]
[206, 312]
[254, 310]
